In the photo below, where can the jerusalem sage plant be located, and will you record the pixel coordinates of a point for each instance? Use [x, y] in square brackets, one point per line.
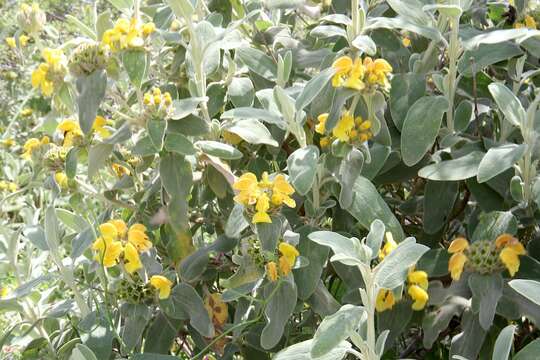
[269, 179]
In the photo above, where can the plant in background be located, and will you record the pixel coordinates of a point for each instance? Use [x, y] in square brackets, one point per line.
[269, 179]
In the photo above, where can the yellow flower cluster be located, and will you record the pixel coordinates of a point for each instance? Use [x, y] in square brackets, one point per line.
[7, 143]
[359, 75]
[120, 170]
[51, 72]
[286, 262]
[347, 130]
[127, 34]
[263, 196]
[417, 283]
[32, 145]
[528, 22]
[217, 309]
[72, 133]
[12, 42]
[8, 186]
[155, 98]
[117, 240]
[505, 253]
[162, 284]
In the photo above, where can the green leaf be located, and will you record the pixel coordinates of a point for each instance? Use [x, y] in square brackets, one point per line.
[252, 131]
[498, 159]
[400, 23]
[508, 103]
[328, 31]
[421, 127]
[347, 250]
[160, 337]
[121, 5]
[392, 271]
[366, 193]
[136, 317]
[181, 8]
[185, 107]
[51, 229]
[307, 277]
[302, 166]
[184, 302]
[375, 237]
[313, 88]
[236, 222]
[136, 65]
[529, 352]
[218, 149]
[366, 44]
[91, 90]
[494, 37]
[150, 356]
[72, 220]
[528, 288]
[156, 132]
[179, 144]
[485, 55]
[434, 262]
[503, 344]
[81, 352]
[453, 170]
[176, 175]
[255, 113]
[190, 126]
[405, 91]
[336, 328]
[493, 224]
[463, 115]
[349, 170]
[97, 157]
[436, 321]
[258, 62]
[487, 290]
[278, 311]
[302, 351]
[241, 92]
[269, 233]
[439, 199]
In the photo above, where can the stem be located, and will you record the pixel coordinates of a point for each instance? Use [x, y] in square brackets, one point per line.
[453, 53]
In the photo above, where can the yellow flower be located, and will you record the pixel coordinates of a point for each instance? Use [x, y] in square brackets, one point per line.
[417, 285]
[271, 271]
[26, 112]
[162, 284]
[385, 300]
[119, 226]
[320, 128]
[148, 28]
[248, 186]
[137, 236]
[48, 72]
[530, 22]
[406, 41]
[61, 179]
[509, 255]
[356, 74]
[132, 262]
[127, 34]
[71, 131]
[4, 292]
[289, 252]
[419, 295]
[388, 247]
[281, 192]
[120, 170]
[217, 309]
[455, 265]
[31, 145]
[343, 128]
[108, 250]
[23, 40]
[262, 206]
[377, 71]
[11, 42]
[325, 141]
[458, 259]
[458, 245]
[284, 266]
[9, 142]
[341, 66]
[99, 127]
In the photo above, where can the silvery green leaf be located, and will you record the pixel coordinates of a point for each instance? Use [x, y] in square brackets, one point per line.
[508, 103]
[241, 92]
[91, 89]
[302, 351]
[487, 290]
[252, 131]
[503, 344]
[392, 271]
[453, 170]
[258, 62]
[219, 149]
[181, 8]
[328, 31]
[494, 37]
[375, 237]
[313, 87]
[264, 115]
[528, 288]
[400, 23]
[302, 166]
[336, 328]
[346, 250]
[498, 159]
[82, 352]
[366, 44]
[185, 107]
[277, 311]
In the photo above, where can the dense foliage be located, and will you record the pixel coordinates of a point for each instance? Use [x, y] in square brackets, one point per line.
[256, 179]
